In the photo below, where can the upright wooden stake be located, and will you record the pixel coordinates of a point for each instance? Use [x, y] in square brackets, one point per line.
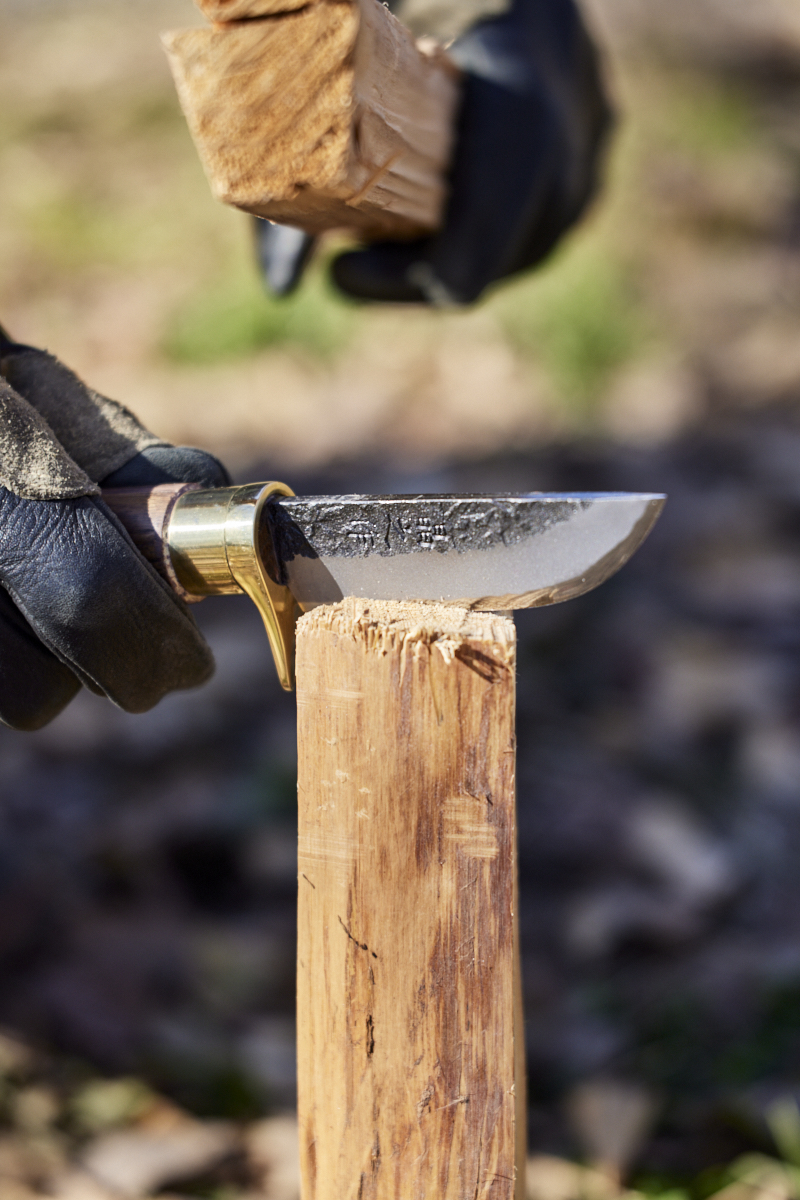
[410, 1065]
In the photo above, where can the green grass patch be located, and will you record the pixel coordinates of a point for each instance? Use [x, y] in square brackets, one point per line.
[71, 231]
[579, 317]
[234, 319]
[709, 118]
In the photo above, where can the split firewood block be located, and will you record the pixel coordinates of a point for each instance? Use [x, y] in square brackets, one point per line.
[410, 1037]
[319, 115]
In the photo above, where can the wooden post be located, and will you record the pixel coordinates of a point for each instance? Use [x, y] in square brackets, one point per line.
[410, 1039]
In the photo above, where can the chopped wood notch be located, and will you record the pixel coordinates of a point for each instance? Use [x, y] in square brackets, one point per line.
[319, 115]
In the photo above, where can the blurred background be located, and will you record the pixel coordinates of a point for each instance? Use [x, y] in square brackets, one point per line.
[147, 864]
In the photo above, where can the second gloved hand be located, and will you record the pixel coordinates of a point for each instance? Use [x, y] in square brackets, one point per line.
[78, 603]
[532, 127]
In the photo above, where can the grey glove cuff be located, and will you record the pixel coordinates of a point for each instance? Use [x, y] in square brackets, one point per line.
[33, 463]
[99, 434]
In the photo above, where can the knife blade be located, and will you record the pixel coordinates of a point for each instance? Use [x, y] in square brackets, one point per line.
[479, 551]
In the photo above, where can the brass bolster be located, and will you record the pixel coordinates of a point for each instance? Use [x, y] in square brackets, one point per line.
[217, 540]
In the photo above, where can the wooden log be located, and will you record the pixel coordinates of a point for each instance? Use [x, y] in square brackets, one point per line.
[410, 1040]
[321, 115]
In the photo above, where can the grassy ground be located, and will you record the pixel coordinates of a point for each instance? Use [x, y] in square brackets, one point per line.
[65, 1132]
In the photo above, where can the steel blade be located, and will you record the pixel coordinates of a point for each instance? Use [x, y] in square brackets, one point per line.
[483, 552]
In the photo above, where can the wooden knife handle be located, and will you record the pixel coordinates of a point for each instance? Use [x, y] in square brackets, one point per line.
[145, 513]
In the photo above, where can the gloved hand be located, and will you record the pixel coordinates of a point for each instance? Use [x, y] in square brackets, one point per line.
[533, 122]
[78, 603]
[532, 126]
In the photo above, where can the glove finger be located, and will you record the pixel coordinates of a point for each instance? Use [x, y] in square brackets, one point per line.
[283, 255]
[32, 463]
[95, 603]
[99, 434]
[170, 464]
[391, 272]
[34, 685]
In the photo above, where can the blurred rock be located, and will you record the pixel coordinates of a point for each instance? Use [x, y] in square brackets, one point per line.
[602, 921]
[15, 1056]
[550, 1178]
[78, 1185]
[274, 1151]
[134, 1162]
[19, 1162]
[771, 760]
[703, 680]
[612, 1119]
[668, 842]
[690, 874]
[35, 1161]
[35, 1109]
[18, 1191]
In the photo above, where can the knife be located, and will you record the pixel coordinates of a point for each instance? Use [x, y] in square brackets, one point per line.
[287, 552]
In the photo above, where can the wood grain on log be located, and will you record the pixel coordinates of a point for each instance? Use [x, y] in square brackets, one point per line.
[410, 1067]
[323, 116]
[245, 10]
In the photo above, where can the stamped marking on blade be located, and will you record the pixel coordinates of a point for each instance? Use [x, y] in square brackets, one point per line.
[475, 551]
[359, 526]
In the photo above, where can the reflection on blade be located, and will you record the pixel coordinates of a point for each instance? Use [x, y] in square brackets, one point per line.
[486, 552]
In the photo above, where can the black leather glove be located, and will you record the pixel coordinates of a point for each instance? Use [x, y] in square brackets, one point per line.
[532, 125]
[78, 603]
